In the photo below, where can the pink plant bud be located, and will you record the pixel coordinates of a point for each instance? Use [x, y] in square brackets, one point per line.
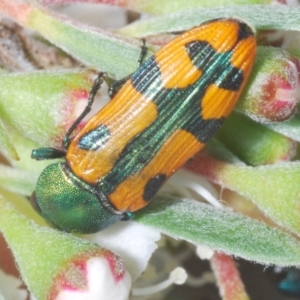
[99, 275]
[279, 93]
[274, 90]
[75, 102]
[228, 278]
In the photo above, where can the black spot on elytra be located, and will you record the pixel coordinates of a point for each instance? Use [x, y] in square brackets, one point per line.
[147, 79]
[217, 68]
[94, 139]
[244, 31]
[232, 80]
[153, 185]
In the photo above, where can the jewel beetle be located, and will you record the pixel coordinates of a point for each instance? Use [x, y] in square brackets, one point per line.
[163, 114]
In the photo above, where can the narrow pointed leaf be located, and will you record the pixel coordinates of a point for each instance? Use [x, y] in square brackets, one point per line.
[221, 229]
[54, 264]
[158, 6]
[19, 181]
[94, 47]
[6, 145]
[254, 143]
[277, 17]
[42, 105]
[290, 128]
[274, 189]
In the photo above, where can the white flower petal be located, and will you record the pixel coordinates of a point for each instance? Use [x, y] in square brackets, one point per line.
[9, 288]
[134, 242]
[101, 284]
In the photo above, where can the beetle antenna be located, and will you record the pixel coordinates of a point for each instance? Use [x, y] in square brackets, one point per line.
[97, 84]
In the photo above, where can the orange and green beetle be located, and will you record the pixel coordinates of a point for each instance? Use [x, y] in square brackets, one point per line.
[164, 113]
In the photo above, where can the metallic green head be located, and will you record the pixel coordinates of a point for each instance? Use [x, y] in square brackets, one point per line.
[70, 204]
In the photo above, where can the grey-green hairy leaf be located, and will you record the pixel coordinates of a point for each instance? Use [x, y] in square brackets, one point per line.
[290, 128]
[5, 143]
[221, 229]
[279, 17]
[19, 181]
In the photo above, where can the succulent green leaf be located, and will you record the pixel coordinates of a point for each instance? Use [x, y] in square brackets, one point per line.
[40, 104]
[169, 6]
[277, 17]
[22, 204]
[19, 181]
[24, 146]
[6, 145]
[30, 245]
[254, 143]
[289, 128]
[221, 229]
[274, 189]
[215, 148]
[97, 48]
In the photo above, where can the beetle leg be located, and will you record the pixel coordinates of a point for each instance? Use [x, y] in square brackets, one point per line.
[117, 85]
[97, 84]
[127, 216]
[144, 50]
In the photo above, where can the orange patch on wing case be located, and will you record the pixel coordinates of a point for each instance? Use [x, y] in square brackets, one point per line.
[91, 165]
[222, 35]
[217, 102]
[240, 56]
[179, 147]
[176, 67]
